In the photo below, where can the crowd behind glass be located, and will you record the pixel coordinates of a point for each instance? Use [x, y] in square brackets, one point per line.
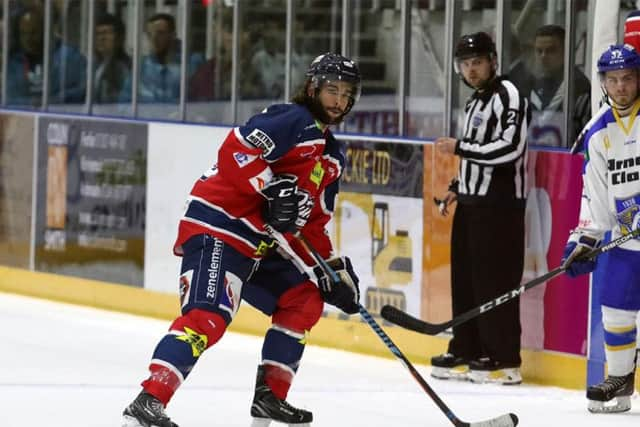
[219, 61]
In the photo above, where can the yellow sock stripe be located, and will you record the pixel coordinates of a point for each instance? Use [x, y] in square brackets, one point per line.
[620, 347]
[619, 329]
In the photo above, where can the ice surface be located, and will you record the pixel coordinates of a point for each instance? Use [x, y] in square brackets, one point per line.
[70, 366]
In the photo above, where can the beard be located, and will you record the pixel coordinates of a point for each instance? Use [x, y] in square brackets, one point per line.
[320, 113]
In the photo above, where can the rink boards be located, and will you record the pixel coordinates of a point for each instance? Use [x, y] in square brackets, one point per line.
[89, 212]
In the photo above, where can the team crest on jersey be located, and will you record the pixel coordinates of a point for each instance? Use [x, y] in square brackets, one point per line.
[261, 140]
[628, 213]
[477, 120]
[243, 159]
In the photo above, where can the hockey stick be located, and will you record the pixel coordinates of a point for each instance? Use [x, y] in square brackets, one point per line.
[506, 420]
[402, 318]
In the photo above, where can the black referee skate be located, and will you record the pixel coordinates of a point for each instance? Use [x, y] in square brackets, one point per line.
[266, 407]
[618, 388]
[146, 411]
[449, 366]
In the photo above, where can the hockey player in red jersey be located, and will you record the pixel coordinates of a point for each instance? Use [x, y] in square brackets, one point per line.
[279, 171]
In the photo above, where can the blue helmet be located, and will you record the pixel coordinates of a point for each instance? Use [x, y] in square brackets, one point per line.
[618, 57]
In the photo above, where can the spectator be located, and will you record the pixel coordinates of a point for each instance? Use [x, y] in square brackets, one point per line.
[269, 63]
[545, 90]
[212, 80]
[160, 70]
[113, 65]
[25, 71]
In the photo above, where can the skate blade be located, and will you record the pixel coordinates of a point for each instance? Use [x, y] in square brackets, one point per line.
[459, 373]
[266, 422]
[501, 376]
[128, 421]
[619, 404]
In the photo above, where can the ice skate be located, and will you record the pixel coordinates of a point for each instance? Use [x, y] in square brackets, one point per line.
[485, 370]
[146, 411]
[448, 366]
[266, 407]
[611, 395]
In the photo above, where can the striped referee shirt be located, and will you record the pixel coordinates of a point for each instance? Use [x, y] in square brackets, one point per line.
[493, 148]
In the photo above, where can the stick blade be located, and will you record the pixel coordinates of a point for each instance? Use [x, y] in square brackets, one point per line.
[506, 420]
[407, 321]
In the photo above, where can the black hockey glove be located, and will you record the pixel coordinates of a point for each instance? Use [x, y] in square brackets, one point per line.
[281, 209]
[344, 294]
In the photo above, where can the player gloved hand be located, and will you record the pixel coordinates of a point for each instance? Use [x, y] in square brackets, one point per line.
[344, 294]
[574, 258]
[281, 208]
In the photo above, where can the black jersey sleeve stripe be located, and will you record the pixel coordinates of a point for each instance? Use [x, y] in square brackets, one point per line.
[503, 131]
[494, 143]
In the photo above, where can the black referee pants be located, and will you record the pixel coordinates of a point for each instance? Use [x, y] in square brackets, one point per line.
[487, 259]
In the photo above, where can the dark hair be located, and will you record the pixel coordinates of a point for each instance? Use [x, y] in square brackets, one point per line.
[166, 17]
[36, 13]
[112, 21]
[118, 28]
[300, 96]
[555, 31]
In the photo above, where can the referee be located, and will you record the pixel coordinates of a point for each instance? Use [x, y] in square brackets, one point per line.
[487, 241]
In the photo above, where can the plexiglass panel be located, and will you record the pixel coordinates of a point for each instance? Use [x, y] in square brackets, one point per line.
[375, 42]
[426, 86]
[113, 56]
[209, 85]
[160, 62]
[261, 55]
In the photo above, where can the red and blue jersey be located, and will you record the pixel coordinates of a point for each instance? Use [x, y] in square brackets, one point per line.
[226, 202]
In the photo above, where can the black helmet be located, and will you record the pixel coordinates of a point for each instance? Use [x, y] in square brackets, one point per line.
[476, 44]
[331, 66]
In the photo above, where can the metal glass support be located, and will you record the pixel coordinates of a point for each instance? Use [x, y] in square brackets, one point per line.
[90, 57]
[405, 57]
[235, 43]
[347, 25]
[184, 34]
[288, 49]
[503, 34]
[450, 15]
[5, 49]
[46, 61]
[568, 102]
[135, 66]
